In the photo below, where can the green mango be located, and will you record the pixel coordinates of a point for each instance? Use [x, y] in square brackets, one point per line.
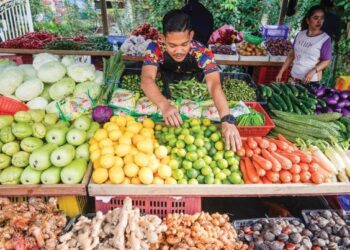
[20, 159]
[51, 175]
[92, 129]
[30, 176]
[31, 143]
[74, 172]
[10, 148]
[6, 135]
[39, 130]
[82, 152]
[5, 161]
[22, 130]
[40, 158]
[37, 115]
[50, 119]
[11, 175]
[23, 116]
[5, 120]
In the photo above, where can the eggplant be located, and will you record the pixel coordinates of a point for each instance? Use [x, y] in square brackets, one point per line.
[332, 100]
[320, 91]
[318, 112]
[318, 106]
[341, 104]
[327, 110]
[344, 95]
[345, 112]
[338, 110]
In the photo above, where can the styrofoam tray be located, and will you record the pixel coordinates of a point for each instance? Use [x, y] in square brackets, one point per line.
[278, 58]
[254, 58]
[226, 57]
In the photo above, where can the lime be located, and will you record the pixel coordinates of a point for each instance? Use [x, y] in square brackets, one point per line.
[206, 171]
[174, 151]
[181, 152]
[174, 164]
[213, 164]
[226, 181]
[215, 137]
[186, 164]
[172, 142]
[181, 137]
[172, 130]
[219, 145]
[229, 154]
[212, 151]
[195, 122]
[209, 180]
[234, 168]
[207, 133]
[217, 181]
[182, 181]
[196, 129]
[219, 155]
[232, 161]
[212, 128]
[220, 176]
[193, 182]
[216, 171]
[226, 171]
[177, 174]
[165, 129]
[191, 156]
[180, 144]
[222, 164]
[158, 127]
[206, 122]
[168, 137]
[199, 164]
[207, 145]
[178, 131]
[207, 159]
[201, 152]
[168, 148]
[186, 124]
[192, 173]
[185, 131]
[235, 178]
[189, 139]
[200, 179]
[199, 142]
[191, 148]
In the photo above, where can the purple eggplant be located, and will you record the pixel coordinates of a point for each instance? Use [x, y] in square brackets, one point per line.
[338, 110]
[341, 104]
[320, 91]
[345, 112]
[333, 99]
[327, 110]
[318, 112]
[344, 95]
[318, 106]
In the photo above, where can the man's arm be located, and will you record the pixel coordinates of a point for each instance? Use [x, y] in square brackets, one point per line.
[149, 86]
[230, 131]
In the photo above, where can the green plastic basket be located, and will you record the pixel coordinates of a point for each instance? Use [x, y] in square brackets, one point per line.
[248, 37]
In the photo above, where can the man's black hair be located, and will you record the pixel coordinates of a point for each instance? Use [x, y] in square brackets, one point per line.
[176, 21]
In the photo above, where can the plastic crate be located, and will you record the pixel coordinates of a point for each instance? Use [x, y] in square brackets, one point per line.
[344, 202]
[247, 131]
[267, 74]
[9, 106]
[247, 78]
[275, 31]
[15, 58]
[160, 206]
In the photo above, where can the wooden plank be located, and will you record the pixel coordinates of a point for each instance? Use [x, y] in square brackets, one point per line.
[247, 190]
[48, 190]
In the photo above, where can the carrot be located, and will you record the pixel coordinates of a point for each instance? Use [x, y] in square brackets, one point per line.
[317, 178]
[259, 170]
[296, 178]
[304, 156]
[257, 151]
[305, 176]
[263, 143]
[292, 157]
[296, 169]
[252, 143]
[280, 144]
[313, 167]
[265, 180]
[248, 151]
[323, 172]
[251, 171]
[304, 166]
[265, 164]
[272, 176]
[282, 138]
[272, 147]
[285, 176]
[285, 163]
[241, 152]
[276, 165]
[244, 172]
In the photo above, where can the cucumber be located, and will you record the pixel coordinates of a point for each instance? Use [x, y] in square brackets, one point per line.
[288, 102]
[276, 89]
[280, 102]
[275, 103]
[322, 103]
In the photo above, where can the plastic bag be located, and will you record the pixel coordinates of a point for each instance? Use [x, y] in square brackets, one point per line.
[73, 107]
[190, 109]
[145, 106]
[239, 109]
[123, 99]
[210, 111]
[226, 35]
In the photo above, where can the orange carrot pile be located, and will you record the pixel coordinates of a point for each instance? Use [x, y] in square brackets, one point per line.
[269, 160]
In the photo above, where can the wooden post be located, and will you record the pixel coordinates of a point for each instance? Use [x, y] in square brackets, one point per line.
[104, 17]
[283, 12]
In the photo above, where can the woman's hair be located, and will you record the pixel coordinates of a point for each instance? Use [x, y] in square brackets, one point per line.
[309, 14]
[176, 21]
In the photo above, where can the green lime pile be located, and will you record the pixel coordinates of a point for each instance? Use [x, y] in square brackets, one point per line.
[198, 155]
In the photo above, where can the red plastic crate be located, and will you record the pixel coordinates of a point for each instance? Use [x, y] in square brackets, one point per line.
[16, 59]
[267, 74]
[160, 206]
[247, 131]
[9, 106]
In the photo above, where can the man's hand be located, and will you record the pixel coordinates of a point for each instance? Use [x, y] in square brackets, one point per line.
[309, 76]
[171, 115]
[231, 135]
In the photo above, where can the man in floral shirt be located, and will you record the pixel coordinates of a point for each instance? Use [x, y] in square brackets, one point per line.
[178, 57]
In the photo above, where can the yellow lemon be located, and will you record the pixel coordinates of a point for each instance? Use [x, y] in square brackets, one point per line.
[170, 180]
[134, 127]
[161, 152]
[154, 165]
[146, 175]
[118, 162]
[122, 129]
[135, 180]
[100, 175]
[134, 150]
[107, 161]
[145, 146]
[100, 134]
[131, 170]
[164, 171]
[114, 134]
[116, 175]
[158, 127]
[93, 147]
[137, 138]
[157, 180]
[97, 164]
[106, 142]
[95, 155]
[119, 120]
[206, 122]
[107, 124]
[126, 180]
[92, 141]
[165, 160]
[148, 123]
[141, 159]
[122, 150]
[107, 150]
[129, 158]
[125, 140]
[147, 132]
[108, 182]
[128, 134]
[112, 127]
[129, 118]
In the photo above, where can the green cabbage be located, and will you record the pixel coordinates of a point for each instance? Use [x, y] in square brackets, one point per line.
[10, 79]
[82, 72]
[29, 89]
[89, 87]
[62, 88]
[51, 72]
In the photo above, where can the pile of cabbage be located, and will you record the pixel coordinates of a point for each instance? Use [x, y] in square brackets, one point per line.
[48, 80]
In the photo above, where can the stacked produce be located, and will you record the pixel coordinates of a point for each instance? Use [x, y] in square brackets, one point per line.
[37, 148]
[280, 161]
[133, 83]
[254, 118]
[31, 40]
[278, 47]
[198, 154]
[189, 90]
[332, 100]
[121, 228]
[290, 97]
[199, 231]
[147, 31]
[248, 49]
[35, 224]
[50, 80]
[223, 49]
[275, 233]
[91, 43]
[238, 90]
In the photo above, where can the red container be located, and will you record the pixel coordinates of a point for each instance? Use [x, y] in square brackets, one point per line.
[267, 74]
[9, 106]
[16, 59]
[247, 131]
[160, 206]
